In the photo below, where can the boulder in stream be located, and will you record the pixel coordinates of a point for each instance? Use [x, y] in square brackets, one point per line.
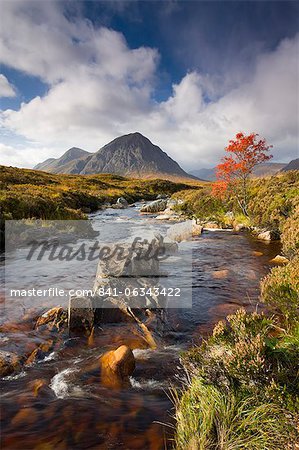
[154, 207]
[122, 201]
[269, 235]
[53, 318]
[116, 366]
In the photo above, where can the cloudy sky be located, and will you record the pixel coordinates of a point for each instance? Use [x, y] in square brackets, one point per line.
[188, 75]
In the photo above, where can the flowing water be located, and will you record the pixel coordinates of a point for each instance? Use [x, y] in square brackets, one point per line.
[59, 402]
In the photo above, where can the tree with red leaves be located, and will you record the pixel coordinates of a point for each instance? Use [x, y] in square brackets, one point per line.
[232, 174]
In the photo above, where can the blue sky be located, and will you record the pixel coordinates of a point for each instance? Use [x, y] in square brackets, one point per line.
[189, 75]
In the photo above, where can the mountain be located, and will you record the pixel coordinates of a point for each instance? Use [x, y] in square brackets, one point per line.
[267, 169]
[59, 165]
[205, 174]
[293, 165]
[262, 170]
[132, 154]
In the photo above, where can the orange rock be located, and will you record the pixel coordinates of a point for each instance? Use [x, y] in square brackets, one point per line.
[257, 253]
[50, 317]
[219, 274]
[36, 385]
[279, 259]
[36, 354]
[39, 352]
[90, 341]
[116, 366]
[46, 346]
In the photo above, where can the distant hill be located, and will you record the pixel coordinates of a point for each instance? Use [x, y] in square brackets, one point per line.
[132, 154]
[58, 165]
[293, 165]
[205, 174]
[261, 170]
[267, 169]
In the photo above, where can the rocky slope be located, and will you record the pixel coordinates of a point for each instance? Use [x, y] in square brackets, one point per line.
[293, 165]
[61, 165]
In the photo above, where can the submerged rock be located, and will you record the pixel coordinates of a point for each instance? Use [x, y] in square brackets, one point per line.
[40, 352]
[9, 363]
[220, 274]
[53, 318]
[25, 417]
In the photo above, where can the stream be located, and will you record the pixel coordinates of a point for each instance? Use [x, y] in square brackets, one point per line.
[73, 410]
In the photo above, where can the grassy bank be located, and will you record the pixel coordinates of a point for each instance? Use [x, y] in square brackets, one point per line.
[243, 389]
[30, 193]
[271, 202]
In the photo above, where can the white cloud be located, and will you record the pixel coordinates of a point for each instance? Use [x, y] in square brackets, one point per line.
[99, 88]
[26, 156]
[6, 89]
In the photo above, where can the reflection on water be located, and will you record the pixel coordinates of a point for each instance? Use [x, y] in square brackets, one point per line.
[60, 402]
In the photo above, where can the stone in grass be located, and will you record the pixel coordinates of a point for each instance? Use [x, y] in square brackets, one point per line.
[279, 259]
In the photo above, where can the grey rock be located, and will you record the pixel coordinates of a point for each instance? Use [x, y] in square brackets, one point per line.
[122, 201]
[154, 207]
[162, 196]
[80, 315]
[268, 235]
[180, 231]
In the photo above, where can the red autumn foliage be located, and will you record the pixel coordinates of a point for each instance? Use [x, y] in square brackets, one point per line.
[245, 152]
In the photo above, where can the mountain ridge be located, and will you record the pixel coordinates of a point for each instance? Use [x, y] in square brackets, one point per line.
[262, 170]
[130, 154]
[53, 164]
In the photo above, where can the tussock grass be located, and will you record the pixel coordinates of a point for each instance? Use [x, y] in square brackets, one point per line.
[208, 419]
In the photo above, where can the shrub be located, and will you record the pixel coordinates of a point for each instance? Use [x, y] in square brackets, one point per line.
[248, 353]
[290, 234]
[280, 289]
